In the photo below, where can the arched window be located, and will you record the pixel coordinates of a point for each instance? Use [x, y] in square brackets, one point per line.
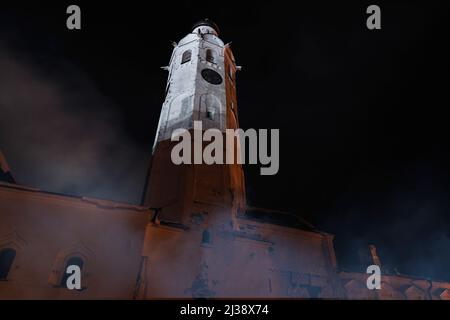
[73, 261]
[210, 56]
[6, 260]
[186, 56]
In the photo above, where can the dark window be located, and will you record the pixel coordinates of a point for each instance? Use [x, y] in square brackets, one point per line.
[210, 56]
[6, 260]
[211, 76]
[314, 292]
[77, 261]
[186, 56]
[205, 237]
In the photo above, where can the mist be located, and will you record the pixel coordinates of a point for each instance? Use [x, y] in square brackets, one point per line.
[60, 134]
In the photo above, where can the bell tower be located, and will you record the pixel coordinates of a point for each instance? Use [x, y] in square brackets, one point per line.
[201, 86]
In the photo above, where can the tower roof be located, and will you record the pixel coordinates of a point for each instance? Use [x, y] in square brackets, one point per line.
[208, 23]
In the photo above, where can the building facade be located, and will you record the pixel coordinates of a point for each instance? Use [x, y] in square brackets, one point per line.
[193, 235]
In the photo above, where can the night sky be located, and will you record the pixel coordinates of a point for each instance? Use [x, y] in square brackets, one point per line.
[363, 143]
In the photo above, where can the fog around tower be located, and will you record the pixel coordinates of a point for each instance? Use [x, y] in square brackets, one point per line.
[73, 139]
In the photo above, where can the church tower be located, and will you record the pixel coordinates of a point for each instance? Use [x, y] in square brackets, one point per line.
[201, 86]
